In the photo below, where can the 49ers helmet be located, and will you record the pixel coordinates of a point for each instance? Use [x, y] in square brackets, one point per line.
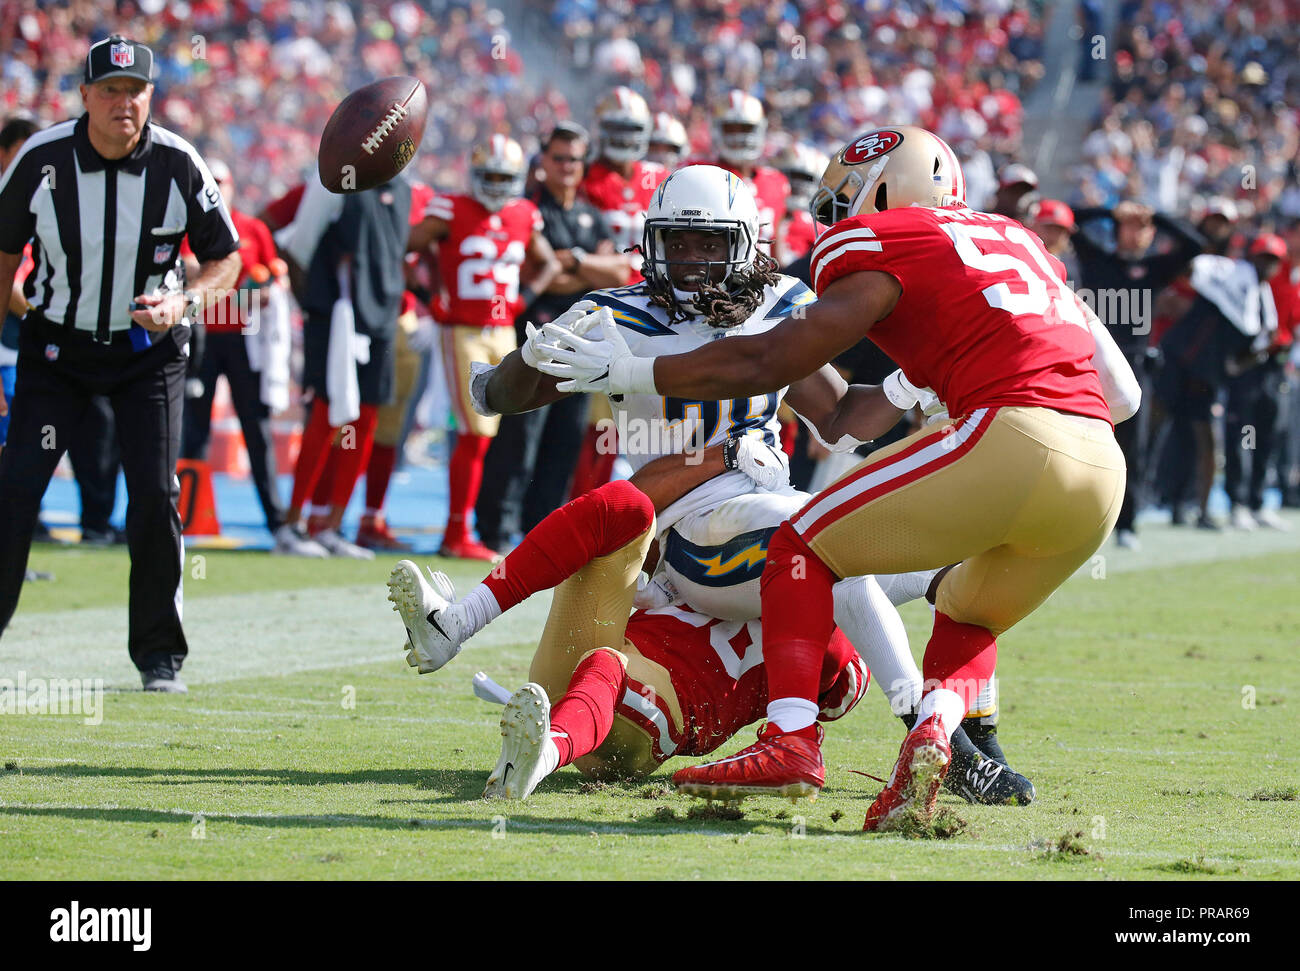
[802, 165]
[499, 156]
[667, 141]
[739, 110]
[622, 126]
[889, 168]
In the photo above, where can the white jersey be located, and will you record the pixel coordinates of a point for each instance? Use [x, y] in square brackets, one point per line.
[651, 426]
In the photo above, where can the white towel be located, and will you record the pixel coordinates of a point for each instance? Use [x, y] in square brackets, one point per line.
[341, 359]
[269, 348]
[1233, 286]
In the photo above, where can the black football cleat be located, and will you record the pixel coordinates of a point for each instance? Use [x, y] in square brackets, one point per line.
[984, 782]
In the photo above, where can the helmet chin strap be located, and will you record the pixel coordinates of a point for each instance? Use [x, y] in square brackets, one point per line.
[687, 300]
[868, 185]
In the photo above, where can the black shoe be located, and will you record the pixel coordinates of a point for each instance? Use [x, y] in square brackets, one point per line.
[987, 783]
[102, 537]
[985, 739]
[1205, 522]
[1176, 516]
[164, 680]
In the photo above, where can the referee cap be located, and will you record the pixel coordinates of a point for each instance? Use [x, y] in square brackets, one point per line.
[119, 57]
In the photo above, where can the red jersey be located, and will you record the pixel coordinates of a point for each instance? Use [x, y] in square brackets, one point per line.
[256, 248]
[984, 317]
[623, 202]
[1286, 298]
[479, 259]
[795, 237]
[281, 211]
[771, 190]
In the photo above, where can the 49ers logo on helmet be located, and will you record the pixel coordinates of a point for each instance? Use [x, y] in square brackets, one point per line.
[869, 146]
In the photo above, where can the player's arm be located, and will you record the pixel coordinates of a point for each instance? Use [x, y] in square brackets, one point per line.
[9, 264]
[668, 478]
[1119, 384]
[425, 233]
[842, 416]
[513, 387]
[591, 271]
[790, 351]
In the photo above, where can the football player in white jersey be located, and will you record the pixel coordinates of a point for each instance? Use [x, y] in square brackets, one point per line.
[706, 280]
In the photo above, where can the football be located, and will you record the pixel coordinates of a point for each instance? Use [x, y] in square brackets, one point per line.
[372, 135]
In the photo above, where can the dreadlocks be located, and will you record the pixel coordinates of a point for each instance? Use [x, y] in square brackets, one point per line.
[722, 305]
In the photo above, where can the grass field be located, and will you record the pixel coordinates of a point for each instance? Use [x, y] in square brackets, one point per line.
[1153, 701]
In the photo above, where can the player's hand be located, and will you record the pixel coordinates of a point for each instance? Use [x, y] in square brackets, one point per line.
[767, 465]
[605, 364]
[159, 312]
[531, 350]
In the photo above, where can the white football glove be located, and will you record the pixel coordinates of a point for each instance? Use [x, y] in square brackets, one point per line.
[657, 591]
[531, 351]
[902, 393]
[767, 465]
[603, 364]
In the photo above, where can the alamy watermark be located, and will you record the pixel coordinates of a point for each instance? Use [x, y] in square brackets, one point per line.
[53, 696]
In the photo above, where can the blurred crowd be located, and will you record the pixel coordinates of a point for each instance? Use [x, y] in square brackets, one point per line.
[1203, 101]
[254, 82]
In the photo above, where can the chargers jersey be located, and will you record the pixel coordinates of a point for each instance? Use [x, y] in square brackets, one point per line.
[651, 426]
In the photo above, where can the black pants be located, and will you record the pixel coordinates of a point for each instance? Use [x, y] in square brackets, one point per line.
[1249, 431]
[529, 468]
[1131, 436]
[227, 353]
[96, 457]
[58, 373]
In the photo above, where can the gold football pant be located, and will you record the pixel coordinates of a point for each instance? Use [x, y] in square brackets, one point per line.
[1022, 497]
[462, 345]
[590, 611]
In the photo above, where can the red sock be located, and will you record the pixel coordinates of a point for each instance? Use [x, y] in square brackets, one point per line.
[960, 657]
[378, 473]
[592, 525]
[582, 718]
[838, 654]
[798, 616]
[353, 450]
[312, 453]
[323, 494]
[466, 475]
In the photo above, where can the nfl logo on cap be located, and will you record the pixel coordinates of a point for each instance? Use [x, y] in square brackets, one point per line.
[51, 352]
[121, 55]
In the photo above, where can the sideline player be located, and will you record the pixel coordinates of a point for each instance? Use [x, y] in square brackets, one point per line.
[1020, 489]
[802, 165]
[484, 239]
[739, 131]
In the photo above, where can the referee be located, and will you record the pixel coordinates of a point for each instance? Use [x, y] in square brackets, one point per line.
[106, 200]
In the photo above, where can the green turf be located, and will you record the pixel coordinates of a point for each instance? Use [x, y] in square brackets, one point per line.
[306, 748]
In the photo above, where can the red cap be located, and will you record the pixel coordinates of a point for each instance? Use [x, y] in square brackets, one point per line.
[1054, 212]
[1269, 243]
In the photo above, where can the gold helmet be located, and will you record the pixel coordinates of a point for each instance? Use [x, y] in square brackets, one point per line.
[667, 141]
[888, 168]
[496, 171]
[623, 126]
[802, 165]
[743, 114]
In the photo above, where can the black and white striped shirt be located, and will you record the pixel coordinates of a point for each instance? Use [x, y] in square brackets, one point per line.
[105, 230]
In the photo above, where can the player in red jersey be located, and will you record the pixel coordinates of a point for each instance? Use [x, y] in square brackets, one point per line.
[667, 142]
[615, 695]
[1019, 488]
[802, 165]
[739, 130]
[620, 182]
[485, 237]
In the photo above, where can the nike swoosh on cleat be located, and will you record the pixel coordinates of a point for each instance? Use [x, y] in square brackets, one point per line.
[437, 626]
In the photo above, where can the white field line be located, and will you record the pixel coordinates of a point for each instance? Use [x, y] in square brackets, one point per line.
[623, 829]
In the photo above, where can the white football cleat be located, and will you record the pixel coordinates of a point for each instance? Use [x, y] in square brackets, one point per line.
[525, 731]
[432, 643]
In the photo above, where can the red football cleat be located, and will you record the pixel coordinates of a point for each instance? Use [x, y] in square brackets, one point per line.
[778, 764]
[469, 549]
[374, 534]
[913, 788]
